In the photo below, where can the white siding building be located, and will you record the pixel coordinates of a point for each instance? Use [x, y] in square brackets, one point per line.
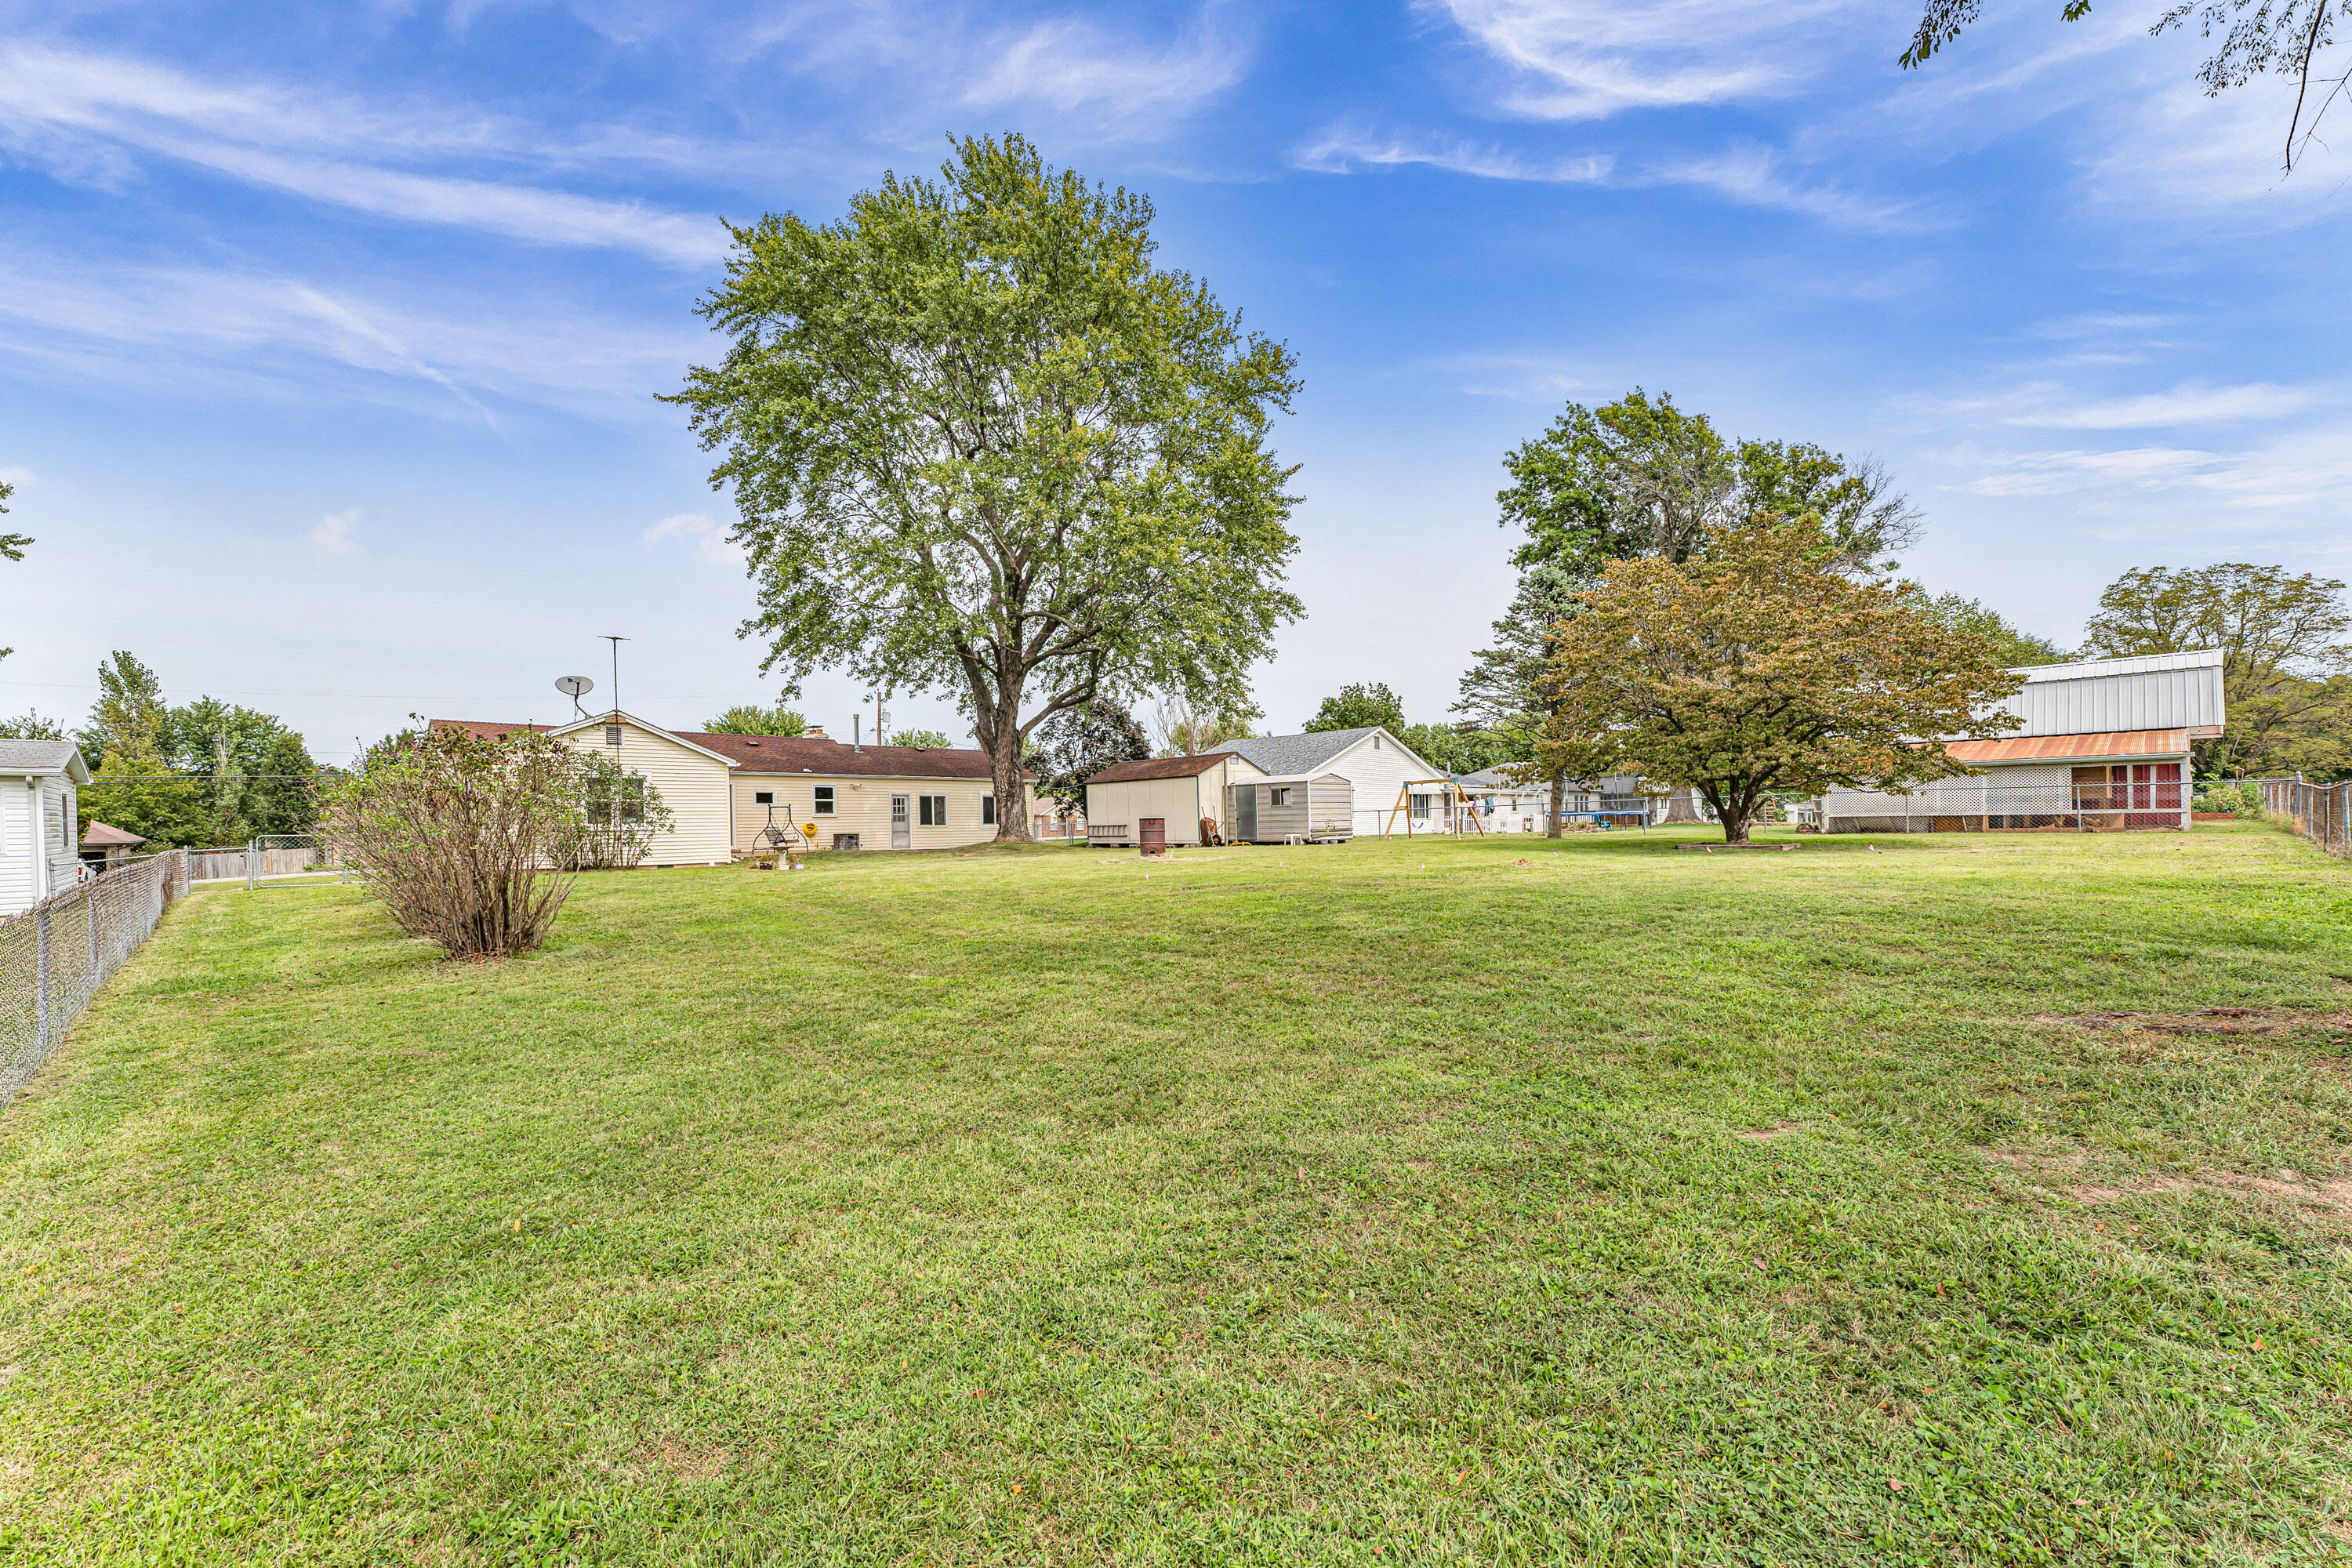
[1175, 792]
[1376, 764]
[39, 836]
[2105, 745]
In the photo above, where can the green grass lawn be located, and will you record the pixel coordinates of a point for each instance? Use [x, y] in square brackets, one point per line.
[1487, 1202]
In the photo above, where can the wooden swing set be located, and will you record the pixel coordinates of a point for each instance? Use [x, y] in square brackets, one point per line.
[1457, 805]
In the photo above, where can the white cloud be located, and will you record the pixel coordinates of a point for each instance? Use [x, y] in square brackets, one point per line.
[2046, 406]
[712, 545]
[1076, 67]
[333, 533]
[91, 117]
[1341, 151]
[1588, 59]
[266, 333]
[1753, 176]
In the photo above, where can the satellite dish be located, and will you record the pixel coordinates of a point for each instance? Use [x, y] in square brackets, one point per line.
[576, 687]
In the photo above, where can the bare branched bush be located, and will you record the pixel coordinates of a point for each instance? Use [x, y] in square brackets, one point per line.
[473, 844]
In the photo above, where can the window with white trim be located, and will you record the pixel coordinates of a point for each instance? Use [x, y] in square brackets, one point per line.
[988, 811]
[763, 797]
[1278, 796]
[613, 736]
[825, 800]
[932, 810]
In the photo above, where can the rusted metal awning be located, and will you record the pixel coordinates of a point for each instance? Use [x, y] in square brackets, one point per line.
[2096, 747]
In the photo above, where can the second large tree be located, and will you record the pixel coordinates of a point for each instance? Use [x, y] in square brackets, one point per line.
[978, 440]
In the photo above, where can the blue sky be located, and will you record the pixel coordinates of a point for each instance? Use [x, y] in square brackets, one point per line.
[330, 335]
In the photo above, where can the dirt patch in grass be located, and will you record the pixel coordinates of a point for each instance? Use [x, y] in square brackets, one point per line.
[2204, 1021]
[1768, 1134]
[690, 1463]
[2056, 1171]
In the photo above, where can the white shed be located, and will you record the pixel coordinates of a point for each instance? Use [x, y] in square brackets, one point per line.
[39, 843]
[1376, 764]
[1172, 793]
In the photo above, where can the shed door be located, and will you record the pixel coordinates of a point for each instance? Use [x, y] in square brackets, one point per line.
[1245, 812]
[902, 831]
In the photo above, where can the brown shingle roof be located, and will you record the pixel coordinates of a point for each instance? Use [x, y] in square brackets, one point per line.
[795, 753]
[814, 754]
[1159, 768]
[98, 834]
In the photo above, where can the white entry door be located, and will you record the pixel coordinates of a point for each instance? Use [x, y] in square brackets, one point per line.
[902, 829]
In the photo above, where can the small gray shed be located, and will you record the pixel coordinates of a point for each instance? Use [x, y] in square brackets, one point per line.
[1314, 809]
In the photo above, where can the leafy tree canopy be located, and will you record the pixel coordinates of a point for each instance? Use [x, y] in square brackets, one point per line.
[1187, 730]
[2015, 648]
[1359, 707]
[749, 719]
[204, 773]
[1077, 743]
[1506, 692]
[1757, 665]
[978, 440]
[32, 727]
[2285, 640]
[1641, 476]
[932, 738]
[2280, 37]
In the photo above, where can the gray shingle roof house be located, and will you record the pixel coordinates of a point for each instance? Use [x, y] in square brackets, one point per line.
[39, 844]
[1374, 763]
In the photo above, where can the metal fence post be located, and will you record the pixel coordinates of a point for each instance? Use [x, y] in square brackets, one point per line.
[252, 876]
[41, 977]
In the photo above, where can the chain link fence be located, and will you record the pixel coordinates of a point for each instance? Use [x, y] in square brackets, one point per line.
[2321, 812]
[55, 956]
[276, 855]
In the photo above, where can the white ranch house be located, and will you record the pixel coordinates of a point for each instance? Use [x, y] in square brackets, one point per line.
[40, 843]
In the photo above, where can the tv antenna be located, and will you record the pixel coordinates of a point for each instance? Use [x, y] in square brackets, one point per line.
[616, 643]
[576, 687]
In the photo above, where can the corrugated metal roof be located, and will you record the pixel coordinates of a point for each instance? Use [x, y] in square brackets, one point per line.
[2068, 748]
[2142, 664]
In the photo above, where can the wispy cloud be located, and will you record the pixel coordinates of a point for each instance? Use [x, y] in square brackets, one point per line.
[2048, 405]
[94, 117]
[1588, 59]
[1753, 176]
[269, 334]
[709, 540]
[1077, 67]
[335, 533]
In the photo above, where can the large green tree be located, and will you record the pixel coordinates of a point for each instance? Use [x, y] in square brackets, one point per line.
[1507, 691]
[2015, 648]
[1077, 743]
[12, 545]
[749, 718]
[1359, 705]
[978, 440]
[205, 772]
[1641, 476]
[2258, 37]
[2285, 640]
[1759, 665]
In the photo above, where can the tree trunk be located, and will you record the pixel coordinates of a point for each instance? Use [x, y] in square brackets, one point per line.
[1735, 828]
[1011, 794]
[1559, 800]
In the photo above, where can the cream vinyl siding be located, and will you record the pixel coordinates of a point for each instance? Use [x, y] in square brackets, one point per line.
[1180, 802]
[692, 785]
[862, 805]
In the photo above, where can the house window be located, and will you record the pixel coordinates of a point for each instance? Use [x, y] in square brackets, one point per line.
[933, 812]
[988, 811]
[613, 736]
[825, 800]
[1278, 796]
[763, 797]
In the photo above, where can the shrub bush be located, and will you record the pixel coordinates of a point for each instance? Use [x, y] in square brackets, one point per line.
[473, 844]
